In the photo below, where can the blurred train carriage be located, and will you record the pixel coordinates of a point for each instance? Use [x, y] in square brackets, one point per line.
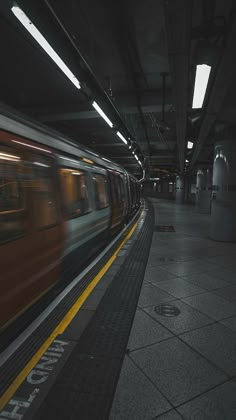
[59, 203]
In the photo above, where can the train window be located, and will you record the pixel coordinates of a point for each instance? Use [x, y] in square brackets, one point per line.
[44, 194]
[75, 192]
[101, 193]
[12, 214]
[118, 183]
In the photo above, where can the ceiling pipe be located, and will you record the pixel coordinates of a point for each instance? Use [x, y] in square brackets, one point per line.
[130, 56]
[85, 63]
[178, 28]
[144, 177]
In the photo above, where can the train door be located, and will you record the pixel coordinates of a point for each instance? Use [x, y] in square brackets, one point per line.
[117, 216]
[123, 195]
[30, 232]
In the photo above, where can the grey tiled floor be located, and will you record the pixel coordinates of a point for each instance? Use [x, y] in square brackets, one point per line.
[134, 389]
[182, 367]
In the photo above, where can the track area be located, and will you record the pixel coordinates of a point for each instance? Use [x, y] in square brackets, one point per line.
[91, 356]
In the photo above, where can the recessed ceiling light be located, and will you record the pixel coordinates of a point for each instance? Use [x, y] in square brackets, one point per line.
[201, 80]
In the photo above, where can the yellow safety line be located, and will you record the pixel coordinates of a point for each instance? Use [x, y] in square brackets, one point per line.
[60, 327]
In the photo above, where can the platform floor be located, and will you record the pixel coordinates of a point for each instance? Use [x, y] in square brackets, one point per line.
[182, 367]
[105, 351]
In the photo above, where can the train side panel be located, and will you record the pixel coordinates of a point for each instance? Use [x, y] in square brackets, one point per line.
[55, 212]
[31, 230]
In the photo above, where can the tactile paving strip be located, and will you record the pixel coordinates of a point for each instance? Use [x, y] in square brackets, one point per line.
[16, 362]
[85, 387]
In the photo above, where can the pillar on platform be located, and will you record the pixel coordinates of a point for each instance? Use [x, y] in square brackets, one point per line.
[203, 190]
[179, 195]
[223, 206]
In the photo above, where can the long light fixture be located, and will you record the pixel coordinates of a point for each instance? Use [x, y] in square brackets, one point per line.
[190, 145]
[34, 32]
[136, 157]
[121, 137]
[103, 115]
[201, 80]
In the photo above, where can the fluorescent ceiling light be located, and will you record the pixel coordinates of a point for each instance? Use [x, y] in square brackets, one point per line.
[201, 80]
[100, 111]
[34, 32]
[190, 145]
[136, 157]
[121, 137]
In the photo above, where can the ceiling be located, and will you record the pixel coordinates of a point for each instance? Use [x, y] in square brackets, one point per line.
[137, 60]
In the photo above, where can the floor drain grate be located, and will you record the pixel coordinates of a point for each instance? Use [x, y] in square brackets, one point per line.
[163, 228]
[167, 310]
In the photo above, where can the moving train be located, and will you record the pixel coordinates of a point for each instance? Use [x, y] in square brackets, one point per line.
[59, 203]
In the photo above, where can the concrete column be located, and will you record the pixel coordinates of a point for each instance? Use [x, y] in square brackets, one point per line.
[203, 191]
[179, 196]
[223, 208]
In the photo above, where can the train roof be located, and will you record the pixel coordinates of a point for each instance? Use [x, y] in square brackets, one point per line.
[17, 123]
